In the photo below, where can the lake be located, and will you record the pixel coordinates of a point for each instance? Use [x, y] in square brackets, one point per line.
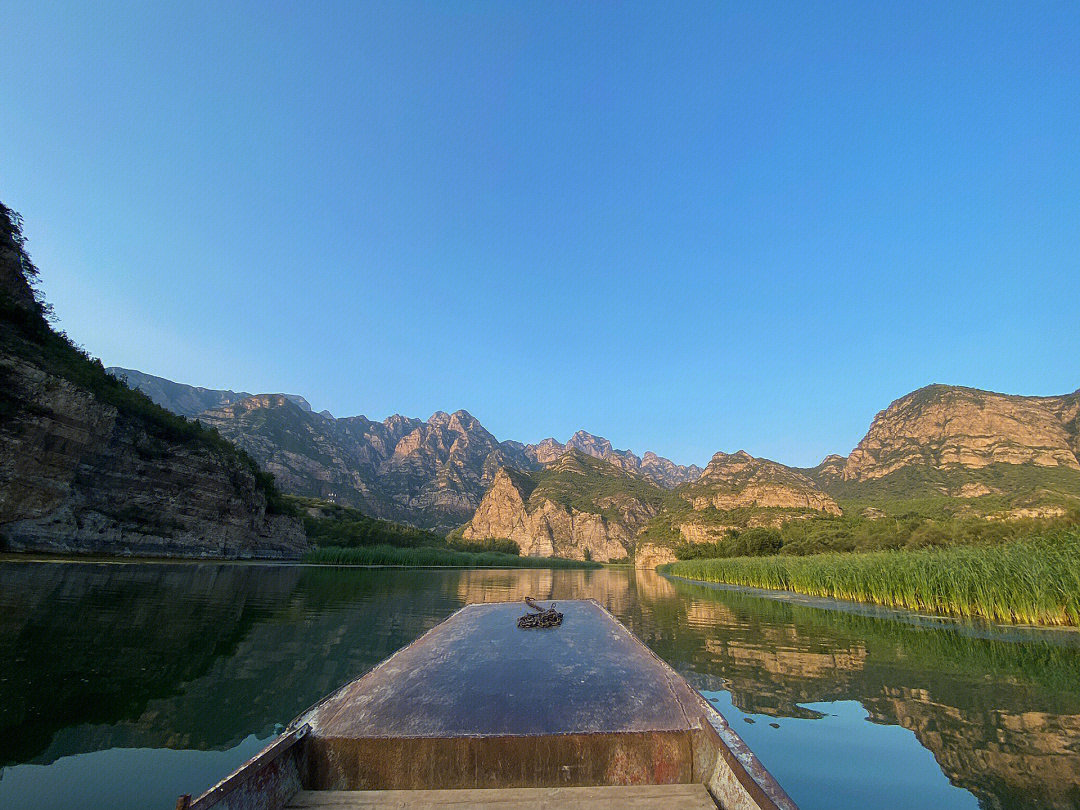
[123, 685]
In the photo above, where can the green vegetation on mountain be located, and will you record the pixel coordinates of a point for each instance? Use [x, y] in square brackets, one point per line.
[331, 524]
[1031, 581]
[817, 535]
[588, 484]
[938, 494]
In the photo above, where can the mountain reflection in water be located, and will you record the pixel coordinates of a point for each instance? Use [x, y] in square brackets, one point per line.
[129, 659]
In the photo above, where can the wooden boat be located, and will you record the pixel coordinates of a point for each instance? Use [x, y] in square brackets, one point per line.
[478, 712]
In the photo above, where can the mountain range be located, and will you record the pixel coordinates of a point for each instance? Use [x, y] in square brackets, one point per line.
[430, 473]
[940, 450]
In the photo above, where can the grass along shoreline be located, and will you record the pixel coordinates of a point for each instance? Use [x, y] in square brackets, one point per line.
[1032, 581]
[427, 556]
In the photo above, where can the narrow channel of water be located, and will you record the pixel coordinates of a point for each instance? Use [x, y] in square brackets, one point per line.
[123, 685]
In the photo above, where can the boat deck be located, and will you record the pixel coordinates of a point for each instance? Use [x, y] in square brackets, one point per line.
[634, 797]
[478, 712]
[484, 704]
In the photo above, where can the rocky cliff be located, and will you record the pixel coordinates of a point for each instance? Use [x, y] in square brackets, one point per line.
[576, 506]
[975, 452]
[731, 481]
[89, 466]
[947, 427]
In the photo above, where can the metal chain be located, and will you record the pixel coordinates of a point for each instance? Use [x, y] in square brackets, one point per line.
[544, 617]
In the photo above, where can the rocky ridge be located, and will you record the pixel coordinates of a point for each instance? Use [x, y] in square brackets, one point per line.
[429, 473]
[576, 506]
[660, 470]
[949, 427]
[731, 481]
[186, 400]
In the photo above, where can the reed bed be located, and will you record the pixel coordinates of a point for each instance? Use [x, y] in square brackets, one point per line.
[1030, 581]
[438, 557]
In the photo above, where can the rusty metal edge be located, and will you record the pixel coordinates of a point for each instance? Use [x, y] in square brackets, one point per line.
[278, 747]
[748, 769]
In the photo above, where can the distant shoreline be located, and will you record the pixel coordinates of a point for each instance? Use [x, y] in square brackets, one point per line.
[79, 559]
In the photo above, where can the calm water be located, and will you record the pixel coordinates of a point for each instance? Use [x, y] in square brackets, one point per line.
[123, 685]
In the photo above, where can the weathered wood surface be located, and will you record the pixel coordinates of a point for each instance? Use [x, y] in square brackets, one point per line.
[633, 797]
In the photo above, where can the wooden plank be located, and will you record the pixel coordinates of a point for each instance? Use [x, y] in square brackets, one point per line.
[630, 797]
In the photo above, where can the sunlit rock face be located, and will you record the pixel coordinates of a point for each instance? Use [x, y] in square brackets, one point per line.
[737, 480]
[944, 427]
[549, 512]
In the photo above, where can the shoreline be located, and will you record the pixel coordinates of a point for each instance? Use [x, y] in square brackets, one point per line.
[36, 557]
[974, 626]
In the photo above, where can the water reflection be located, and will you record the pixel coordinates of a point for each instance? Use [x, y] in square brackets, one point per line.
[208, 657]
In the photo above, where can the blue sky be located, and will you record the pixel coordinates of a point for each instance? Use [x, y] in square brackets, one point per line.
[713, 226]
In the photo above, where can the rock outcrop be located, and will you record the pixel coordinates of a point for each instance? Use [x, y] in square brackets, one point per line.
[657, 469]
[740, 480]
[576, 506]
[87, 466]
[948, 427]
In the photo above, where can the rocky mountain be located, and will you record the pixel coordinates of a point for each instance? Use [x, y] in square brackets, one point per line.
[987, 453]
[429, 473]
[945, 449]
[945, 427]
[89, 466]
[186, 400]
[659, 470]
[576, 506]
[740, 480]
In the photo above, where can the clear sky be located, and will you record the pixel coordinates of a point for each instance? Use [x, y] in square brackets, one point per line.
[685, 227]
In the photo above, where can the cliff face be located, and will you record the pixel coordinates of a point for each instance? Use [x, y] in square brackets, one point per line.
[428, 473]
[947, 427]
[89, 467]
[740, 480]
[977, 453]
[577, 507]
